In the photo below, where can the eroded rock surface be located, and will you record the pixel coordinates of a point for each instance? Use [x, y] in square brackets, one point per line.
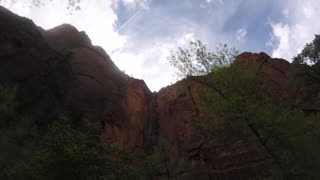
[87, 82]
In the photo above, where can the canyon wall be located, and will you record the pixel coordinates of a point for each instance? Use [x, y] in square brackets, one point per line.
[89, 84]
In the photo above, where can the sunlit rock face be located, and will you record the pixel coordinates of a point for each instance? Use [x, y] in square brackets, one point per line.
[120, 102]
[180, 114]
[62, 62]
[124, 105]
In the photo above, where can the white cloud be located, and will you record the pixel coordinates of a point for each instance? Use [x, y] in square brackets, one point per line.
[138, 50]
[96, 18]
[150, 63]
[285, 12]
[291, 36]
[136, 3]
[241, 33]
[308, 10]
[215, 1]
[282, 33]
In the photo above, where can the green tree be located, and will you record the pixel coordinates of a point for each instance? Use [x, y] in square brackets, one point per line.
[70, 152]
[310, 55]
[8, 103]
[235, 103]
[243, 108]
[17, 133]
[160, 164]
[196, 60]
[156, 164]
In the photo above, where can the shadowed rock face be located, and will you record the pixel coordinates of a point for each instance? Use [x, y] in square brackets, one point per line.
[280, 83]
[122, 103]
[87, 82]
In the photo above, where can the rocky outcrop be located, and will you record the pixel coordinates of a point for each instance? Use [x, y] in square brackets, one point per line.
[179, 118]
[179, 113]
[280, 81]
[62, 63]
[124, 105]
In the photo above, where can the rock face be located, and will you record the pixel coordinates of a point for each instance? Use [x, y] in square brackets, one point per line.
[280, 83]
[122, 103]
[87, 82]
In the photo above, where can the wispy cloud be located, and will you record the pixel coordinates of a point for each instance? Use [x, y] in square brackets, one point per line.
[285, 12]
[144, 5]
[241, 33]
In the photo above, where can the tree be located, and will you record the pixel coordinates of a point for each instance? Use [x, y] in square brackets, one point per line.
[235, 103]
[310, 55]
[247, 110]
[196, 60]
[8, 103]
[160, 164]
[71, 152]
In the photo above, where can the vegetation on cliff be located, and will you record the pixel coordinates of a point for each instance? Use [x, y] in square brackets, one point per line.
[196, 60]
[310, 55]
[251, 126]
[236, 103]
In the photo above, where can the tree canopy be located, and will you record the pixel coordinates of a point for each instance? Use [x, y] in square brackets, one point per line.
[310, 55]
[250, 112]
[196, 60]
[235, 104]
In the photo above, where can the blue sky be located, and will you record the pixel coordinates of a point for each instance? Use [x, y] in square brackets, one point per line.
[139, 34]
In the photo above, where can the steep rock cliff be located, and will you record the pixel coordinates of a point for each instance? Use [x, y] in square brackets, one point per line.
[87, 83]
[81, 75]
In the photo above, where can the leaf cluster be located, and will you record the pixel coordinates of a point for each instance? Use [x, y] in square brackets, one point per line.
[195, 60]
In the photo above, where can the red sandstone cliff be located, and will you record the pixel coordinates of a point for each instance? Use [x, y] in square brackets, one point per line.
[131, 115]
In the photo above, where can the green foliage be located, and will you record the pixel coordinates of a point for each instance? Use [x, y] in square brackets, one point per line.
[27, 107]
[196, 60]
[69, 152]
[239, 88]
[156, 163]
[8, 103]
[310, 55]
[246, 110]
[17, 133]
[160, 163]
